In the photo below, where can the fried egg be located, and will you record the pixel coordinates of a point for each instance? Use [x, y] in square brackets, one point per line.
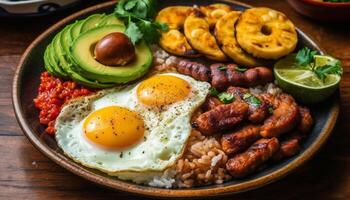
[138, 128]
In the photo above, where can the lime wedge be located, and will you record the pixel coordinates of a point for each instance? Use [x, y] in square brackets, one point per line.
[303, 83]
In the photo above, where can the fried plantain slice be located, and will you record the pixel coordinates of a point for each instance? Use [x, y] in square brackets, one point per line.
[266, 33]
[226, 36]
[197, 32]
[214, 12]
[173, 40]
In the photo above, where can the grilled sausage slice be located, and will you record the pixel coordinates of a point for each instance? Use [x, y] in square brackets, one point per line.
[194, 69]
[247, 162]
[224, 76]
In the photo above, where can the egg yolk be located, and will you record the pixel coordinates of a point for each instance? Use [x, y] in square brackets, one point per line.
[114, 127]
[162, 90]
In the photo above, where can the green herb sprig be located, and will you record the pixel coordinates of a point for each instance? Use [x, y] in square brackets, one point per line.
[306, 59]
[138, 16]
[224, 97]
[252, 99]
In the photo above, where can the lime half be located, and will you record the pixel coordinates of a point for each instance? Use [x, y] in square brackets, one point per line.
[302, 83]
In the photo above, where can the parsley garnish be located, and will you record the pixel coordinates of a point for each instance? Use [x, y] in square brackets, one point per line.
[305, 56]
[213, 91]
[306, 59]
[138, 17]
[323, 71]
[222, 68]
[223, 96]
[226, 97]
[241, 69]
[252, 99]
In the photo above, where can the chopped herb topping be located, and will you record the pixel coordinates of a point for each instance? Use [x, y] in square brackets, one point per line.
[241, 69]
[222, 68]
[226, 97]
[252, 99]
[213, 91]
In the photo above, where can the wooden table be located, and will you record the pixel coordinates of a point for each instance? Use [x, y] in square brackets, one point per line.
[26, 174]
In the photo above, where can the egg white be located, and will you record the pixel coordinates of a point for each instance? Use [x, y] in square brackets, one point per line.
[166, 129]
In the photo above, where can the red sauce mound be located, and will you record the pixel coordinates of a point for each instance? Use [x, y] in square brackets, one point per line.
[53, 93]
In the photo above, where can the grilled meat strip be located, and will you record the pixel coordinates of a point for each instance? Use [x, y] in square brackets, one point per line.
[240, 139]
[221, 118]
[257, 112]
[306, 120]
[290, 145]
[284, 118]
[211, 103]
[247, 162]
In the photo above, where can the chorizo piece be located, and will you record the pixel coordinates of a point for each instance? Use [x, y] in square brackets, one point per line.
[224, 76]
[247, 162]
[194, 69]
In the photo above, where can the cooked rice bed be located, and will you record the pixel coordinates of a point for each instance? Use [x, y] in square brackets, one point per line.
[202, 163]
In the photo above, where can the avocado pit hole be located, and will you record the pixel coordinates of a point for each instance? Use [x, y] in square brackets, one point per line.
[114, 49]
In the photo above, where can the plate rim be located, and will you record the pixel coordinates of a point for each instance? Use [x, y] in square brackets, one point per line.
[79, 170]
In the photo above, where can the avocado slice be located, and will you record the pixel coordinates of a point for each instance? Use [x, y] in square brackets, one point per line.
[47, 62]
[76, 29]
[66, 41]
[91, 22]
[82, 52]
[110, 20]
[54, 63]
[67, 66]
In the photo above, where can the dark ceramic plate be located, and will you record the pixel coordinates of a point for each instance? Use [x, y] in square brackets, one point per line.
[25, 86]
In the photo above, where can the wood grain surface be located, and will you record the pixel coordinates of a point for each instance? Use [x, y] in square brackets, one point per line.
[26, 174]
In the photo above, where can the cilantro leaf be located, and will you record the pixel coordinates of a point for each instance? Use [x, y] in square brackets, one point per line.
[138, 17]
[150, 31]
[226, 97]
[161, 26]
[252, 99]
[133, 32]
[130, 4]
[213, 91]
[305, 56]
[222, 68]
[322, 71]
[241, 69]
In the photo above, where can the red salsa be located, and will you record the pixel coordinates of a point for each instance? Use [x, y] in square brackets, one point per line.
[52, 94]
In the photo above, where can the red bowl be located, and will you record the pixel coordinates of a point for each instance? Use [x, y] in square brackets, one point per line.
[324, 11]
